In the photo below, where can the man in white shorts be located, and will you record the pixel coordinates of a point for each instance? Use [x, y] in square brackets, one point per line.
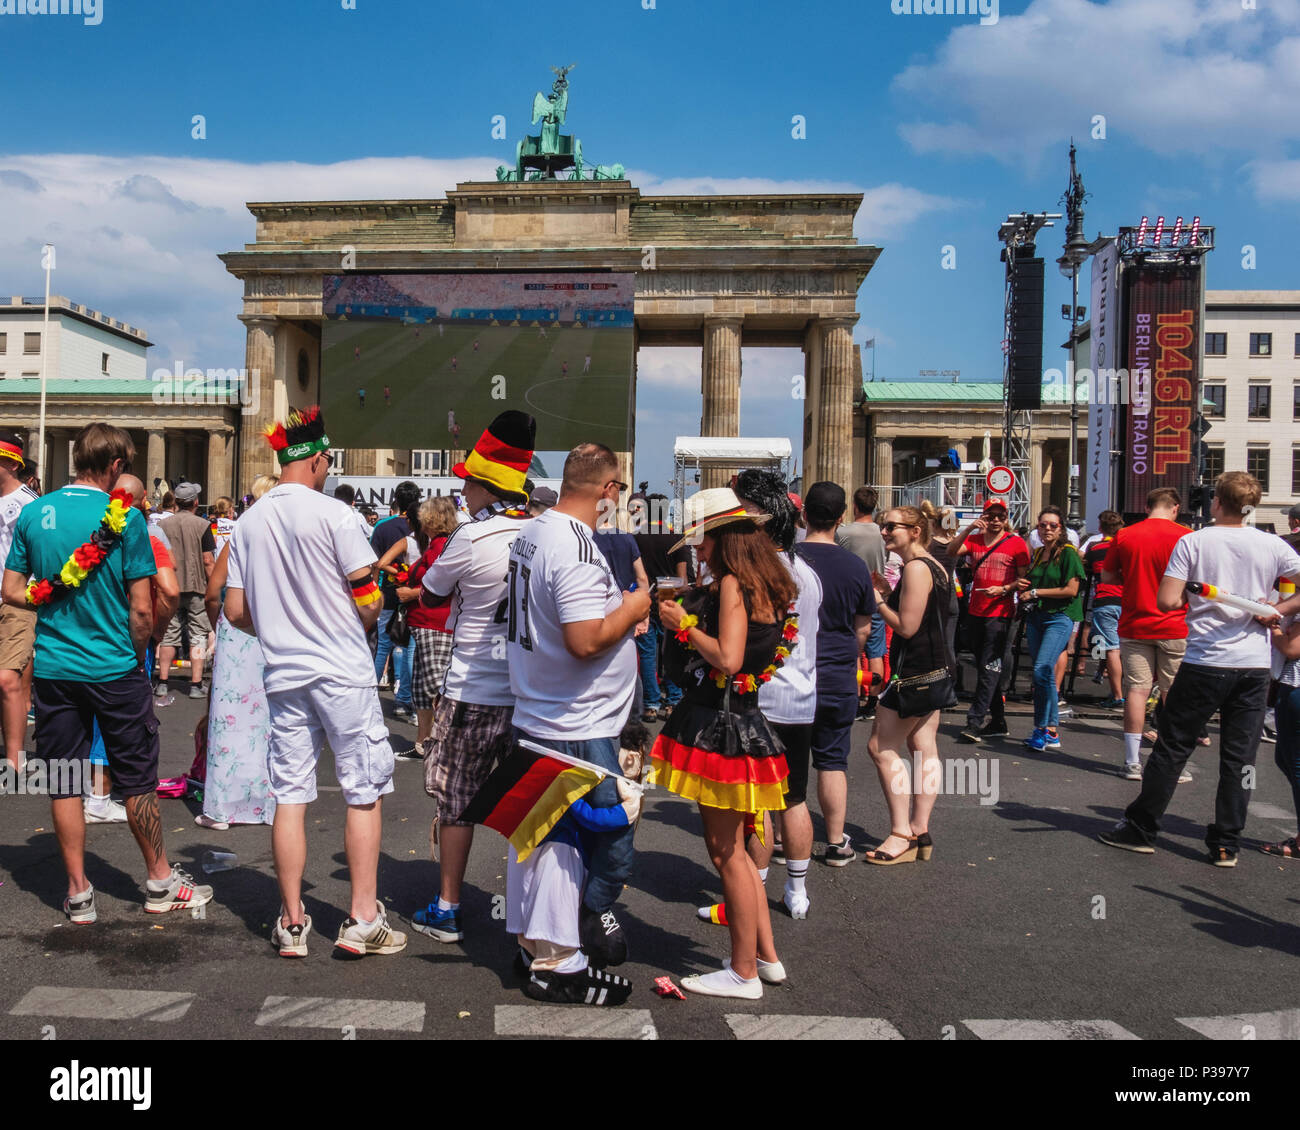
[300, 579]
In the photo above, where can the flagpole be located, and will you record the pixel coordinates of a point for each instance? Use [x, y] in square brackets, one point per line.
[48, 251]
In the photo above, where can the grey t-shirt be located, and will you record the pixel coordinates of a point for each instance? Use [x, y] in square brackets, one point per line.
[864, 540]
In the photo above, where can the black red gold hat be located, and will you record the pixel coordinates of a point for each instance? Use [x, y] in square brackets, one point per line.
[718, 506]
[301, 436]
[501, 458]
[11, 446]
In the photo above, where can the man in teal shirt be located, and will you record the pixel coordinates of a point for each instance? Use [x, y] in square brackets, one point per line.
[90, 644]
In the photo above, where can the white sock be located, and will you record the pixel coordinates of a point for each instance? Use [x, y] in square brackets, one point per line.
[1132, 746]
[762, 874]
[796, 875]
[158, 884]
[574, 963]
[82, 896]
[443, 904]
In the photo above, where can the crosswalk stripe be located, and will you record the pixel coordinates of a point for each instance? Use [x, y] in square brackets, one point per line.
[1281, 1025]
[102, 1004]
[1271, 812]
[574, 1023]
[748, 1027]
[1049, 1030]
[341, 1013]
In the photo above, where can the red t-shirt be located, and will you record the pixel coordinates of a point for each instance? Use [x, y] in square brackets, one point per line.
[434, 619]
[1104, 594]
[1139, 554]
[998, 568]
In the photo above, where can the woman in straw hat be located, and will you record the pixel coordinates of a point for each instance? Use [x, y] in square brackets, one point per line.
[716, 748]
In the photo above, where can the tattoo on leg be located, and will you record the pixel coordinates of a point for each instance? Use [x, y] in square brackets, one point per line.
[146, 822]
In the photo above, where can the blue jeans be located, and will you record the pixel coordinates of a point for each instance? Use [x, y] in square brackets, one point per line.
[610, 864]
[1047, 634]
[1287, 752]
[647, 654]
[402, 661]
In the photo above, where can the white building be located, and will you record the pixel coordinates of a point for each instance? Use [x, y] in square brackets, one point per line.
[1251, 381]
[83, 344]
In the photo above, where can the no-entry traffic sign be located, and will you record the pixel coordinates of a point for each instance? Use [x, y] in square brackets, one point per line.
[1000, 480]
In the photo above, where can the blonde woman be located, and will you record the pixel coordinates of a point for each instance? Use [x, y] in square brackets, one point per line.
[921, 665]
[237, 787]
[430, 635]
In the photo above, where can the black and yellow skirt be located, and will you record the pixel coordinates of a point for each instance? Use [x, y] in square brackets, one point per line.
[721, 759]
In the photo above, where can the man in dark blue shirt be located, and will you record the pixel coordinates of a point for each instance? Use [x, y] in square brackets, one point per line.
[844, 623]
[387, 534]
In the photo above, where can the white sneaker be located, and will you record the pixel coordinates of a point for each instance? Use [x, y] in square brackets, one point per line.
[723, 983]
[769, 972]
[1184, 778]
[291, 940]
[110, 812]
[1133, 771]
[203, 820]
[380, 938]
[797, 903]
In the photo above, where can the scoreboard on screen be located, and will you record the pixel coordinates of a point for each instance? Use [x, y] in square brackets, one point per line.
[1163, 341]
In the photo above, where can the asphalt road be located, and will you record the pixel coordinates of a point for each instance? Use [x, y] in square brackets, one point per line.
[1021, 916]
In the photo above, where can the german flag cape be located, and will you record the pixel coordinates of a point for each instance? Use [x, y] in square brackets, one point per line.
[529, 792]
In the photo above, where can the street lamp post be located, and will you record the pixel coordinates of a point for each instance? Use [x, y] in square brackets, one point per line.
[1077, 250]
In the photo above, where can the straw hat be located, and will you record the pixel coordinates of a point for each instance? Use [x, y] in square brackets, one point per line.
[709, 509]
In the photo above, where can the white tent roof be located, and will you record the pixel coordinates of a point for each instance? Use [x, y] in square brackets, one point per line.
[731, 448]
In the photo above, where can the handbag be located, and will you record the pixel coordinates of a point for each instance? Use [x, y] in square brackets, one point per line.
[934, 690]
[399, 628]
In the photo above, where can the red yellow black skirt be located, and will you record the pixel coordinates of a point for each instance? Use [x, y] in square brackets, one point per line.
[721, 760]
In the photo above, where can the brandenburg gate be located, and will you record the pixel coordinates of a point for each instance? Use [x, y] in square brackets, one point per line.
[712, 272]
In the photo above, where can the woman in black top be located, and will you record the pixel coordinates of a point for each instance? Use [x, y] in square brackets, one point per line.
[917, 612]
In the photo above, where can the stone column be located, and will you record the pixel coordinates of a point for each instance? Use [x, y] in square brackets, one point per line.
[720, 386]
[812, 368]
[1037, 465]
[835, 428]
[218, 477]
[259, 359]
[882, 473]
[155, 463]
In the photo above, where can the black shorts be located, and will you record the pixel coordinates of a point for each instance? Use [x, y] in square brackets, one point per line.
[798, 746]
[831, 732]
[65, 712]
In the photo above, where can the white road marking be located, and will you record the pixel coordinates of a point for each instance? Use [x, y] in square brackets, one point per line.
[1283, 1025]
[340, 1013]
[574, 1022]
[748, 1027]
[1272, 812]
[1049, 1030]
[103, 1004]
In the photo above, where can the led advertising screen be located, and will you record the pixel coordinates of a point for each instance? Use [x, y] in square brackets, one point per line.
[426, 361]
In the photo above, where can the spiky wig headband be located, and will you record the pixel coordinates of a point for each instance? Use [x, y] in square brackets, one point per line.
[299, 437]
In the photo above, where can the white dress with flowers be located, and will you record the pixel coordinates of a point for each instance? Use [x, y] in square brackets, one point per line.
[238, 787]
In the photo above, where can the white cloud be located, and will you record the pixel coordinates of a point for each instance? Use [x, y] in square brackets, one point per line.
[1200, 76]
[1275, 180]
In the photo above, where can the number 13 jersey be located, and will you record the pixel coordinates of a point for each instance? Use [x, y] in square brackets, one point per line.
[472, 570]
[559, 576]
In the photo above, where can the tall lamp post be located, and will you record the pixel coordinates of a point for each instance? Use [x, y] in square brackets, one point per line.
[1077, 251]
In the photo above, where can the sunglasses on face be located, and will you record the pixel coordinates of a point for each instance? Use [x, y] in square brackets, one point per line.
[615, 483]
[890, 527]
[1049, 525]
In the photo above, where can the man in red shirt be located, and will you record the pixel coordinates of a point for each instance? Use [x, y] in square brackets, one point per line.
[1151, 642]
[998, 558]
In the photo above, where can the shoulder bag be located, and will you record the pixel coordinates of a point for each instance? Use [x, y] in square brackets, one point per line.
[935, 690]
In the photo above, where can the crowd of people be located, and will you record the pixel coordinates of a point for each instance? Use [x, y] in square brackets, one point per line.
[758, 634]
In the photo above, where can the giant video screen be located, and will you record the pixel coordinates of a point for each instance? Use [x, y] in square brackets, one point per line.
[426, 361]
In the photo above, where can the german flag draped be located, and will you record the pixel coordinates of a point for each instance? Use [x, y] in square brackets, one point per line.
[529, 792]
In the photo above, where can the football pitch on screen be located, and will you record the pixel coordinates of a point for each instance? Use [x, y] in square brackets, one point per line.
[429, 373]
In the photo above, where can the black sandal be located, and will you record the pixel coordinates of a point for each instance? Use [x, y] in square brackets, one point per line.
[907, 855]
[1287, 849]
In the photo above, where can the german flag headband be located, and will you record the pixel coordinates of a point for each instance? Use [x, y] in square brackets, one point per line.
[11, 451]
[301, 436]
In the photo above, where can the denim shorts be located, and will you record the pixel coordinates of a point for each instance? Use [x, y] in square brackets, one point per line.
[876, 641]
[1105, 625]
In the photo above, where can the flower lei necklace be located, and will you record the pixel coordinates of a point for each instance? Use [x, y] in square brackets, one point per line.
[746, 684]
[87, 556]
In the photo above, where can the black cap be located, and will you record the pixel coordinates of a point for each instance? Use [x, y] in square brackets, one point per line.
[824, 503]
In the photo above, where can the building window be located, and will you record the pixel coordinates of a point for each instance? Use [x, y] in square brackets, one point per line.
[427, 462]
[4, 342]
[1216, 345]
[1297, 344]
[1295, 472]
[1216, 399]
[1259, 401]
[32, 376]
[1257, 465]
[1213, 462]
[1295, 401]
[1261, 345]
[31, 343]
[103, 362]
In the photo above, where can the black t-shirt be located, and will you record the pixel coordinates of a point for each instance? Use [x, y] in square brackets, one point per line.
[621, 552]
[387, 534]
[655, 557]
[846, 594]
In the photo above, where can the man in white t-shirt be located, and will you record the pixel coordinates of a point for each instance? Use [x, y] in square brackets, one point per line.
[573, 665]
[1226, 667]
[471, 722]
[17, 625]
[299, 577]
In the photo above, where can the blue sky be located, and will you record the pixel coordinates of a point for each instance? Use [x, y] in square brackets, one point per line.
[944, 124]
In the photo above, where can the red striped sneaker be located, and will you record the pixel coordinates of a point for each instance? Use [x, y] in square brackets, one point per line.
[181, 892]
